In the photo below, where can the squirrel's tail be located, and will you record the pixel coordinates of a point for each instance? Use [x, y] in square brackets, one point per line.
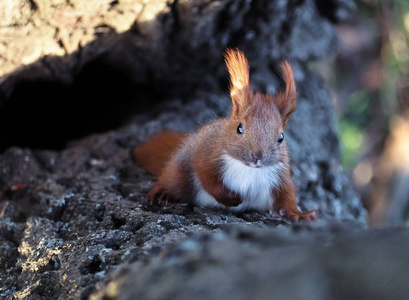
[153, 154]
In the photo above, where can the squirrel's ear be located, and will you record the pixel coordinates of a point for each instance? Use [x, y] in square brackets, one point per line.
[286, 100]
[238, 68]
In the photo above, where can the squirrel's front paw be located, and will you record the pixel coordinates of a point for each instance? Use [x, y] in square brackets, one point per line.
[232, 199]
[295, 215]
[160, 195]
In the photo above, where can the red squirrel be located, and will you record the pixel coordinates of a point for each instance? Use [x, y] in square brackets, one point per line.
[241, 162]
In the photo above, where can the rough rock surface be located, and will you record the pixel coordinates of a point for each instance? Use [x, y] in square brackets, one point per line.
[323, 261]
[174, 53]
[71, 217]
[75, 223]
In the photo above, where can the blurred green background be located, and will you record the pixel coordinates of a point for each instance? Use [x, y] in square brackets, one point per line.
[369, 79]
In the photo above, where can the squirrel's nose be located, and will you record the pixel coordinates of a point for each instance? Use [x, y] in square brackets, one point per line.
[256, 157]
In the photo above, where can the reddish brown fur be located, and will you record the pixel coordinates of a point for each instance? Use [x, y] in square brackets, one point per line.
[238, 68]
[287, 101]
[172, 184]
[285, 204]
[264, 118]
[157, 151]
[207, 167]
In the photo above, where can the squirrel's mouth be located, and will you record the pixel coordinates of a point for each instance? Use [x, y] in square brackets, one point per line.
[255, 164]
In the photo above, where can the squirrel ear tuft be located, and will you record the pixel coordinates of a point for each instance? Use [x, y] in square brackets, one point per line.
[286, 100]
[238, 68]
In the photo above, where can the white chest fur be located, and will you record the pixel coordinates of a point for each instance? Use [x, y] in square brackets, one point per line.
[254, 185]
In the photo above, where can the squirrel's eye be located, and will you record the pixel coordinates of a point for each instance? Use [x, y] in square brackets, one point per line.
[240, 129]
[280, 138]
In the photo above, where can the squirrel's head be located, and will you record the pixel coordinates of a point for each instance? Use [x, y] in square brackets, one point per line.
[257, 122]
